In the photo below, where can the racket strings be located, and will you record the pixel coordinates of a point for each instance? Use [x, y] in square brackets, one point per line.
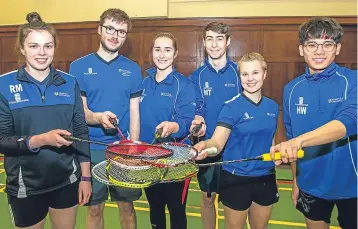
[111, 174]
[134, 176]
[139, 151]
[180, 173]
[144, 172]
[181, 154]
[127, 163]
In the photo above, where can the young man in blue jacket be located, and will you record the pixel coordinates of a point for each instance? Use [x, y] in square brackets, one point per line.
[215, 82]
[110, 87]
[320, 116]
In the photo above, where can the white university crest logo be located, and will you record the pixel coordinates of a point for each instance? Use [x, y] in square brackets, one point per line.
[301, 106]
[17, 97]
[207, 89]
[90, 72]
[247, 116]
[300, 101]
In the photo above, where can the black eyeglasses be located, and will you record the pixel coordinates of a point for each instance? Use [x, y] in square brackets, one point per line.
[327, 46]
[111, 31]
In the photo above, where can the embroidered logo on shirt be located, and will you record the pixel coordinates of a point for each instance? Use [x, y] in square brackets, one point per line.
[271, 114]
[125, 72]
[63, 94]
[166, 94]
[90, 72]
[301, 106]
[17, 98]
[247, 116]
[229, 85]
[335, 100]
[207, 89]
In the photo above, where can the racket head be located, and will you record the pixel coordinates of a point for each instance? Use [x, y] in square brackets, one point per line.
[180, 173]
[126, 162]
[138, 150]
[110, 174]
[182, 154]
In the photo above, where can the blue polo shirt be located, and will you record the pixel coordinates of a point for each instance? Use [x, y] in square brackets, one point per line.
[253, 127]
[108, 86]
[311, 100]
[172, 99]
[212, 89]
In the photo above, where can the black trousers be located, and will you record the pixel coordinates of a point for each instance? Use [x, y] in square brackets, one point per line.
[169, 194]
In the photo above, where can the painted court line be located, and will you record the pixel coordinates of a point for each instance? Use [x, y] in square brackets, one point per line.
[276, 222]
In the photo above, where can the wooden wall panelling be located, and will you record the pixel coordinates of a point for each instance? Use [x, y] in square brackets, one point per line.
[243, 42]
[275, 80]
[348, 52]
[94, 37]
[71, 46]
[281, 46]
[9, 53]
[0, 55]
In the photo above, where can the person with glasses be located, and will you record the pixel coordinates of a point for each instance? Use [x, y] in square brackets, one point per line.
[110, 87]
[320, 116]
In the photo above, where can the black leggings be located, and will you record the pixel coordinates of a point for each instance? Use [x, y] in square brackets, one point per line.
[169, 194]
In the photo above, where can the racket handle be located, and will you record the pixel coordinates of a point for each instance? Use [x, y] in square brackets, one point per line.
[212, 151]
[71, 138]
[267, 156]
[196, 129]
[114, 122]
[158, 133]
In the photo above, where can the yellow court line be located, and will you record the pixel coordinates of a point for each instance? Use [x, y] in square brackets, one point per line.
[276, 222]
[285, 189]
[193, 190]
[217, 211]
[280, 189]
[188, 206]
[247, 223]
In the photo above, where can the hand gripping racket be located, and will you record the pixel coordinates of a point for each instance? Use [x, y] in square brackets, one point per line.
[263, 157]
[195, 130]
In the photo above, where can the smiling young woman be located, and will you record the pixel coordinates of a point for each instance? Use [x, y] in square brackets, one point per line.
[34, 119]
[167, 103]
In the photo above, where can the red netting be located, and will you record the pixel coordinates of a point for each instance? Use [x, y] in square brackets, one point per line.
[139, 151]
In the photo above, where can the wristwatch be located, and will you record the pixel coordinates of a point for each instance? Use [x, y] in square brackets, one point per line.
[83, 178]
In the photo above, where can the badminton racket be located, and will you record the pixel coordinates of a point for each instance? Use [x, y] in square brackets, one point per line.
[110, 174]
[130, 149]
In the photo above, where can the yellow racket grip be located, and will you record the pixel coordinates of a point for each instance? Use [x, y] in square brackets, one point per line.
[267, 156]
